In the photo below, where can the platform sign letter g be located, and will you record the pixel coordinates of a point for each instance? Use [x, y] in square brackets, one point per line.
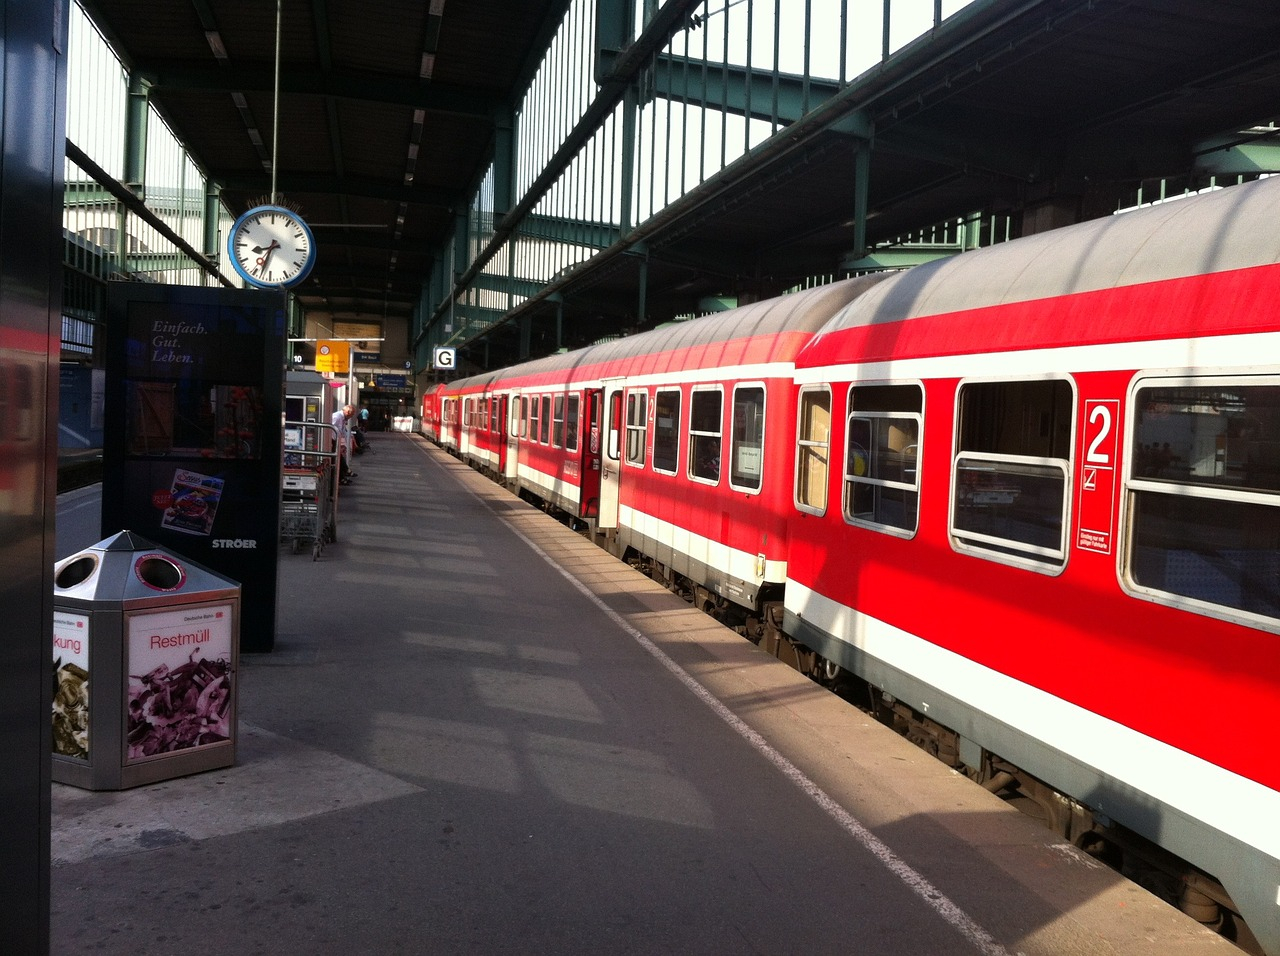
[444, 357]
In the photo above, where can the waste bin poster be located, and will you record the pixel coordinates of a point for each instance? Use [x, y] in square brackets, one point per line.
[71, 684]
[180, 680]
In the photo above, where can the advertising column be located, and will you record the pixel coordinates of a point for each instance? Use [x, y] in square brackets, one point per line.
[192, 444]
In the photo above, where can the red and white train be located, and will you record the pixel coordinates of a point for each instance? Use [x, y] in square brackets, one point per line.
[1028, 498]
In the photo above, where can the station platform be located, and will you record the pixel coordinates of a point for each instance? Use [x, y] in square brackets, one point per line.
[480, 734]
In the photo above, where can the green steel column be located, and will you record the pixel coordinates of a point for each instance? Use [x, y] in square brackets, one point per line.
[504, 187]
[559, 322]
[861, 186]
[135, 161]
[642, 294]
[212, 217]
[459, 263]
[614, 19]
[135, 135]
[614, 32]
[630, 109]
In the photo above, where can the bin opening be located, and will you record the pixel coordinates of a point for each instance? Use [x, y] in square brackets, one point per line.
[76, 572]
[159, 572]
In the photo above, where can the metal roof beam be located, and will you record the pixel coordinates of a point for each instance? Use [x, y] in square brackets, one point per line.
[411, 93]
[348, 186]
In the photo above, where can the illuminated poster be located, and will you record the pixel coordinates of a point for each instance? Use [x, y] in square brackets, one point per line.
[192, 449]
[180, 680]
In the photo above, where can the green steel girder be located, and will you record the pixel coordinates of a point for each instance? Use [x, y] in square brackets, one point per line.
[783, 97]
[146, 262]
[614, 83]
[581, 232]
[1238, 159]
[503, 284]
[877, 260]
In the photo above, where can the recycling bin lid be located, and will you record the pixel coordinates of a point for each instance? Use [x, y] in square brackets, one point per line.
[127, 567]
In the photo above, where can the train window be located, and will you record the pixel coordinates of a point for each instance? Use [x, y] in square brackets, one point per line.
[524, 416]
[666, 430]
[544, 436]
[705, 408]
[513, 427]
[813, 441]
[613, 424]
[637, 425]
[881, 472]
[1204, 495]
[571, 424]
[557, 428]
[1011, 467]
[533, 419]
[746, 452]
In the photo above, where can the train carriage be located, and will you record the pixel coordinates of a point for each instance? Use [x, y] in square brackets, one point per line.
[471, 429]
[1025, 501]
[431, 424]
[1049, 535]
[700, 423]
[550, 426]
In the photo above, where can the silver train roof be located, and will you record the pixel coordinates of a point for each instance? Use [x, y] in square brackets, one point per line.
[1230, 228]
[804, 311]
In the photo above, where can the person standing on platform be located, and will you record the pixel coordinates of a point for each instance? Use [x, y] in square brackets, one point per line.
[342, 429]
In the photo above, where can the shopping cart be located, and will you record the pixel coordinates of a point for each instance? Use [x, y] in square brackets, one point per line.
[309, 487]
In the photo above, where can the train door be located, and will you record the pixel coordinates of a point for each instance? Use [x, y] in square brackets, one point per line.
[589, 456]
[511, 435]
[498, 433]
[466, 423]
[611, 454]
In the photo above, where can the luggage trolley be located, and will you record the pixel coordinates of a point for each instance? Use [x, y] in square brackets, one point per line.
[309, 486]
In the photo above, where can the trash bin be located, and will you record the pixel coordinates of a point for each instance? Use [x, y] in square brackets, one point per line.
[145, 647]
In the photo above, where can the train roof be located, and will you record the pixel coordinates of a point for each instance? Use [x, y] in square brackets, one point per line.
[804, 312]
[1232, 228]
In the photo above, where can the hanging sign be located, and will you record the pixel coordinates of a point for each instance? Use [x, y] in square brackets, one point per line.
[333, 356]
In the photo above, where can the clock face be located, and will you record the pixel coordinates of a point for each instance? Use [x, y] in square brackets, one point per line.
[271, 247]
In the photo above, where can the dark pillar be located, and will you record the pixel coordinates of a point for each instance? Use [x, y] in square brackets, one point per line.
[33, 37]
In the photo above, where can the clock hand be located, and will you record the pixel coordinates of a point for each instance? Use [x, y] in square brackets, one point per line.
[266, 253]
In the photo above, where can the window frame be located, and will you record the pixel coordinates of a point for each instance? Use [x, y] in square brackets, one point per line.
[636, 456]
[1012, 551]
[557, 420]
[758, 488]
[1134, 484]
[803, 443]
[658, 395]
[695, 437]
[847, 480]
[534, 420]
[572, 421]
